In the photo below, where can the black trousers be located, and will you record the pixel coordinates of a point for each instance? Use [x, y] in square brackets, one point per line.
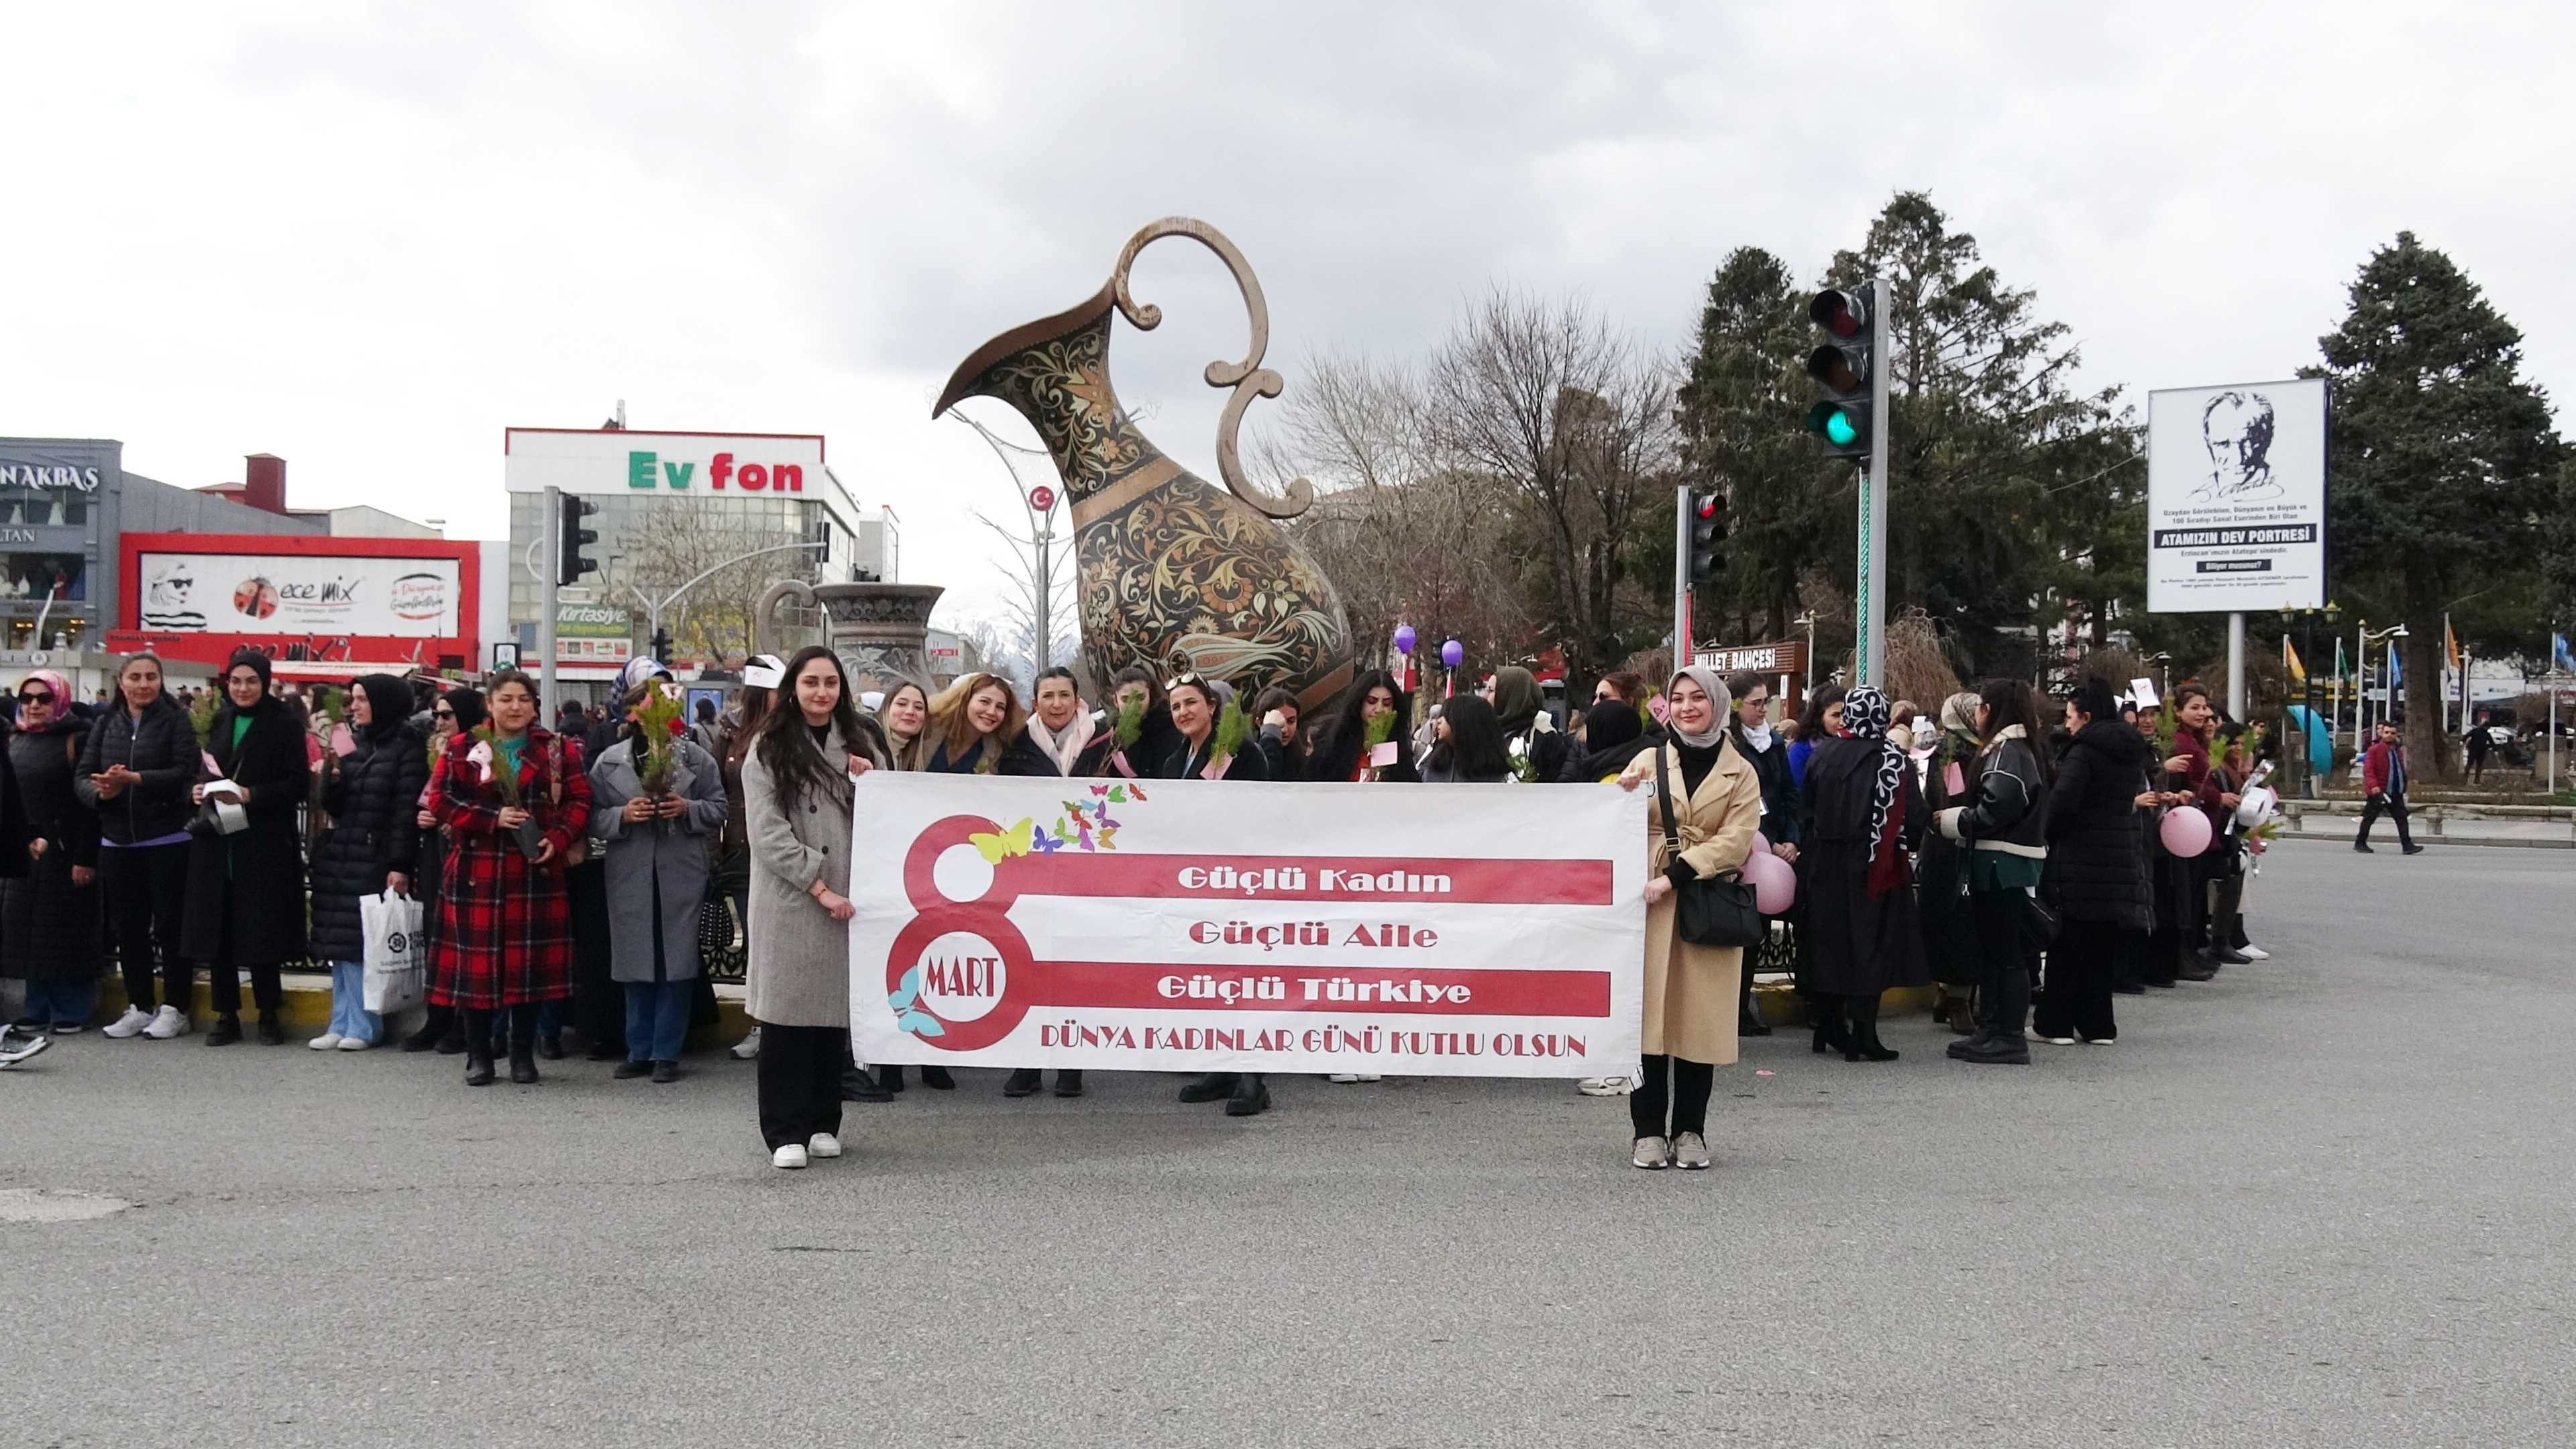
[2076, 1000]
[598, 1002]
[2394, 806]
[144, 894]
[1686, 1097]
[2005, 1009]
[800, 1082]
[479, 1035]
[266, 991]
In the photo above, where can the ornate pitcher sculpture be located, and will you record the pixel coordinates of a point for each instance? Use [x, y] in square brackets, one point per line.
[1174, 574]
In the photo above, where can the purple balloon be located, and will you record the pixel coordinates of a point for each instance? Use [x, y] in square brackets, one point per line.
[2185, 832]
[1405, 638]
[1775, 884]
[1453, 653]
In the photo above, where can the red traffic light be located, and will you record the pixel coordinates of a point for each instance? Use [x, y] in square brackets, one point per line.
[1705, 505]
[1840, 313]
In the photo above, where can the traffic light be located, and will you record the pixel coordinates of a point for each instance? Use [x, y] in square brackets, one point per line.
[1842, 366]
[570, 562]
[1707, 531]
[661, 645]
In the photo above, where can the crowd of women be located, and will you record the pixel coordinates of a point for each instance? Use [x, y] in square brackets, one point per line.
[2009, 852]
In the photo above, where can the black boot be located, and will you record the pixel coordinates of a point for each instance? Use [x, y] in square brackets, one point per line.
[890, 1076]
[1022, 1082]
[1861, 1043]
[1209, 1087]
[1828, 1014]
[550, 1045]
[272, 1032]
[1748, 1018]
[858, 1086]
[434, 1030]
[1251, 1096]
[1068, 1084]
[226, 1030]
[477, 1030]
[937, 1079]
[523, 1058]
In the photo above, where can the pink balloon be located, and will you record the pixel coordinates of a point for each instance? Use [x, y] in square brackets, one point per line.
[2185, 832]
[1775, 884]
[1761, 843]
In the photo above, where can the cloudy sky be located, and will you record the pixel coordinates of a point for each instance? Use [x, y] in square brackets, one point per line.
[367, 237]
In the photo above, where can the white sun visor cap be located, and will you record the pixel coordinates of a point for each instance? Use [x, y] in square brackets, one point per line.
[764, 671]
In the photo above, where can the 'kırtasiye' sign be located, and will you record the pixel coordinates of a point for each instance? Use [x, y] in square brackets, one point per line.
[1189, 926]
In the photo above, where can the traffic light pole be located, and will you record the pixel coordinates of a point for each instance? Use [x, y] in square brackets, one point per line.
[1869, 602]
[551, 573]
[1681, 575]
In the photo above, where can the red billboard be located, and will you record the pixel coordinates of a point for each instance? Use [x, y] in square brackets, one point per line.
[330, 606]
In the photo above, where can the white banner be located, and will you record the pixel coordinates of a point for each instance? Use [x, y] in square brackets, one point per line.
[1421, 930]
[230, 593]
[2236, 498]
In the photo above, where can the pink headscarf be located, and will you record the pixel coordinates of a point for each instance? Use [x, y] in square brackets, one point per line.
[61, 687]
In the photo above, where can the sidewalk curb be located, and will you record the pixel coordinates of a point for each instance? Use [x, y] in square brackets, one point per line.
[305, 1008]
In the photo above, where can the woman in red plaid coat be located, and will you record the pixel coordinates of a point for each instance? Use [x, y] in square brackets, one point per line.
[504, 936]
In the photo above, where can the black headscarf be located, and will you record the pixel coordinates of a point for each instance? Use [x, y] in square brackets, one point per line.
[257, 661]
[468, 704]
[1609, 724]
[388, 703]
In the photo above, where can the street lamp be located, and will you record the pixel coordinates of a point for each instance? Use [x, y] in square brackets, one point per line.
[1808, 620]
[2306, 619]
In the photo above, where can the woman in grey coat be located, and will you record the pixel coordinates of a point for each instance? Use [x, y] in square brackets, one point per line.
[658, 867]
[796, 810]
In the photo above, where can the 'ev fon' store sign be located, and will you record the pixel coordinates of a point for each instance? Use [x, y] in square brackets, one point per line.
[587, 461]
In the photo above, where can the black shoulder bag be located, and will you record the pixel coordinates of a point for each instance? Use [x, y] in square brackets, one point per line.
[1717, 911]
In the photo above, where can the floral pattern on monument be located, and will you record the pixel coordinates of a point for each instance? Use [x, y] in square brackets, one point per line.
[1174, 572]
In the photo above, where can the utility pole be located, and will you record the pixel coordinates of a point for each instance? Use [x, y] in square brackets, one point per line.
[2236, 667]
[1870, 652]
[1681, 575]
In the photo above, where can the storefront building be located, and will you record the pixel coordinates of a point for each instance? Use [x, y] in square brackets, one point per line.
[64, 505]
[733, 512]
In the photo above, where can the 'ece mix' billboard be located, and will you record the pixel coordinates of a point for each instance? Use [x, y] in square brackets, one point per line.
[2236, 498]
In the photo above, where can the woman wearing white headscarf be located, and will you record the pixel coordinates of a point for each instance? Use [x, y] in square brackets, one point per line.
[1691, 991]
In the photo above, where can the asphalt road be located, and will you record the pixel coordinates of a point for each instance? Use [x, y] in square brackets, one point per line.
[2322, 1200]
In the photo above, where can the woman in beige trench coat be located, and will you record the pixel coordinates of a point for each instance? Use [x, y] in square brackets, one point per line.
[1690, 1024]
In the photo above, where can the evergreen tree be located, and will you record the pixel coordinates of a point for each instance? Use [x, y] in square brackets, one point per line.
[2440, 457]
[1740, 405]
[2000, 474]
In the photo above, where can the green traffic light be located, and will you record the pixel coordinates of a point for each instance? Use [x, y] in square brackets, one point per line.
[1839, 430]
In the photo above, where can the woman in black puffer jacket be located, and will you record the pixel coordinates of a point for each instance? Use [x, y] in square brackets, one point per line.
[2097, 871]
[371, 795]
[135, 771]
[2004, 830]
[49, 916]
[246, 890]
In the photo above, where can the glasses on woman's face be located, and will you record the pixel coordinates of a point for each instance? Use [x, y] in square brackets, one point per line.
[442, 714]
[36, 696]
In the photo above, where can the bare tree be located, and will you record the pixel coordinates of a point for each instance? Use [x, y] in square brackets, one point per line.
[1564, 418]
[1404, 539]
[687, 536]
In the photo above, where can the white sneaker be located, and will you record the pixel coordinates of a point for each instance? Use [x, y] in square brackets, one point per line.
[327, 1041]
[2101, 1041]
[790, 1155]
[2051, 1040]
[166, 1023]
[1345, 1078]
[354, 1043]
[2253, 953]
[749, 1047]
[1605, 1086]
[823, 1145]
[1653, 1154]
[1690, 1152]
[16, 1047]
[134, 1020]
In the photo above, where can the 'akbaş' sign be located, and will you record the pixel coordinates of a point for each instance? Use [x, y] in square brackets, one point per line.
[1189, 926]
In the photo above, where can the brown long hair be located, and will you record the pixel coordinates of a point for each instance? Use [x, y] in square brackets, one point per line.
[2012, 702]
[956, 731]
[787, 748]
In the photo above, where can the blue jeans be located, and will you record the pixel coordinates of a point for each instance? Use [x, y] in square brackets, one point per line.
[657, 1019]
[349, 1014]
[58, 1003]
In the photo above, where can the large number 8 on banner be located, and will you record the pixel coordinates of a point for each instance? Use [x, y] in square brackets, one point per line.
[960, 974]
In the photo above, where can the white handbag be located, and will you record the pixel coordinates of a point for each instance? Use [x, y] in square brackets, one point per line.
[397, 969]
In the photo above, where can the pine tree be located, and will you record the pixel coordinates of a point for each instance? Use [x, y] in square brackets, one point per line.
[2440, 457]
